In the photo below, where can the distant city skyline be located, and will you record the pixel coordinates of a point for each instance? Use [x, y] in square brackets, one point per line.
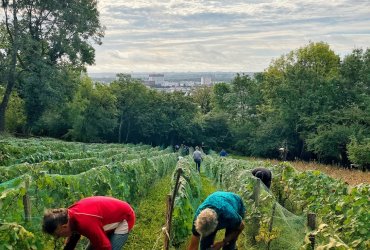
[222, 36]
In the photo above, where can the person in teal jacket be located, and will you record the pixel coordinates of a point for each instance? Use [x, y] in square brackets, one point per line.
[220, 210]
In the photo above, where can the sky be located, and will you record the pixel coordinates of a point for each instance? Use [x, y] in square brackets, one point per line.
[223, 35]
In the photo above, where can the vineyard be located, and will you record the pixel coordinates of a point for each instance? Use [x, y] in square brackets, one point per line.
[36, 174]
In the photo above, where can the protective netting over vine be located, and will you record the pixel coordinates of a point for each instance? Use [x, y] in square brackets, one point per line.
[28, 185]
[268, 224]
[341, 212]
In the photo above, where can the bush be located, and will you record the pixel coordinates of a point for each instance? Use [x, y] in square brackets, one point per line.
[359, 152]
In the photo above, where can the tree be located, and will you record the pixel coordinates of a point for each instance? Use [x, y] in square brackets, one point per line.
[15, 117]
[359, 152]
[202, 96]
[92, 113]
[243, 99]
[296, 87]
[131, 98]
[216, 132]
[44, 36]
[219, 94]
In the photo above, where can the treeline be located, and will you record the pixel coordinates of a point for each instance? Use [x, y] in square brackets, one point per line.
[308, 101]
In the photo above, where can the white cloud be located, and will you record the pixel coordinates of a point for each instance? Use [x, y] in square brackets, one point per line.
[204, 35]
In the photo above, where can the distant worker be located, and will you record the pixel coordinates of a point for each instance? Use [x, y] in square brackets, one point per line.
[264, 175]
[197, 156]
[105, 221]
[220, 210]
[177, 147]
[223, 153]
[184, 149]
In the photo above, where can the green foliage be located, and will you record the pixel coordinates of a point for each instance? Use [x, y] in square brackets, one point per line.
[267, 223]
[14, 236]
[122, 171]
[43, 41]
[15, 117]
[216, 131]
[202, 96]
[186, 202]
[219, 95]
[330, 142]
[359, 152]
[92, 113]
[341, 207]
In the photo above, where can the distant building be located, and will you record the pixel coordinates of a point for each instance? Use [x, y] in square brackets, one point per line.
[205, 80]
[158, 79]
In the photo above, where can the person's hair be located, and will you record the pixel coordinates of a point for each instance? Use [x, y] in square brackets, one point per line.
[206, 222]
[53, 218]
[264, 178]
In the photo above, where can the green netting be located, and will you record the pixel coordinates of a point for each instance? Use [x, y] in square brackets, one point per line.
[268, 224]
[186, 202]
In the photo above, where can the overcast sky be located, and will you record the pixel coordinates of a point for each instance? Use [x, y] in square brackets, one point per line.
[229, 35]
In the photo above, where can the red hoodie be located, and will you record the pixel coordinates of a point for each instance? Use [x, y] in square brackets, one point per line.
[95, 217]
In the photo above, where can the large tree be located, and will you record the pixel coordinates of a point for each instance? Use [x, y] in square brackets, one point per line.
[296, 87]
[42, 39]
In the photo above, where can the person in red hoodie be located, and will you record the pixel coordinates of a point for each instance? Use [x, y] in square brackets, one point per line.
[105, 221]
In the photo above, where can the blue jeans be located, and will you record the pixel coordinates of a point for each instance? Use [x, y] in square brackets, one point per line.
[116, 240]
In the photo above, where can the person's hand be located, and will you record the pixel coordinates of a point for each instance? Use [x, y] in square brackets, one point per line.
[217, 245]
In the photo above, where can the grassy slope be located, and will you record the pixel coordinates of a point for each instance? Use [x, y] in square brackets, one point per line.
[150, 218]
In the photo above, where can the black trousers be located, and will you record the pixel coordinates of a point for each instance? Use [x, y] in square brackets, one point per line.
[207, 242]
[197, 165]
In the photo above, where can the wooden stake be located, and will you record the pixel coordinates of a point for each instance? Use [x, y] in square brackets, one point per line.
[172, 203]
[27, 203]
[311, 223]
[256, 192]
[166, 233]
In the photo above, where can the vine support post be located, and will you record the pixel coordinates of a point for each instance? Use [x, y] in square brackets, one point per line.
[27, 202]
[167, 233]
[311, 223]
[271, 225]
[256, 192]
[170, 205]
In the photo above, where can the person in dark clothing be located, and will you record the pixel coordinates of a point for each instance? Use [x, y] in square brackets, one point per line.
[223, 153]
[264, 175]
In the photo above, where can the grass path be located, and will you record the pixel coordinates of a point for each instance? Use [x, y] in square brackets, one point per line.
[150, 218]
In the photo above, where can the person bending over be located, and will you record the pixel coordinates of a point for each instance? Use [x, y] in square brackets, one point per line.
[220, 210]
[264, 175]
[105, 221]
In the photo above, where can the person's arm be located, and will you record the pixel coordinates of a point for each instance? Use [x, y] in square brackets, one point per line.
[72, 241]
[230, 237]
[194, 243]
